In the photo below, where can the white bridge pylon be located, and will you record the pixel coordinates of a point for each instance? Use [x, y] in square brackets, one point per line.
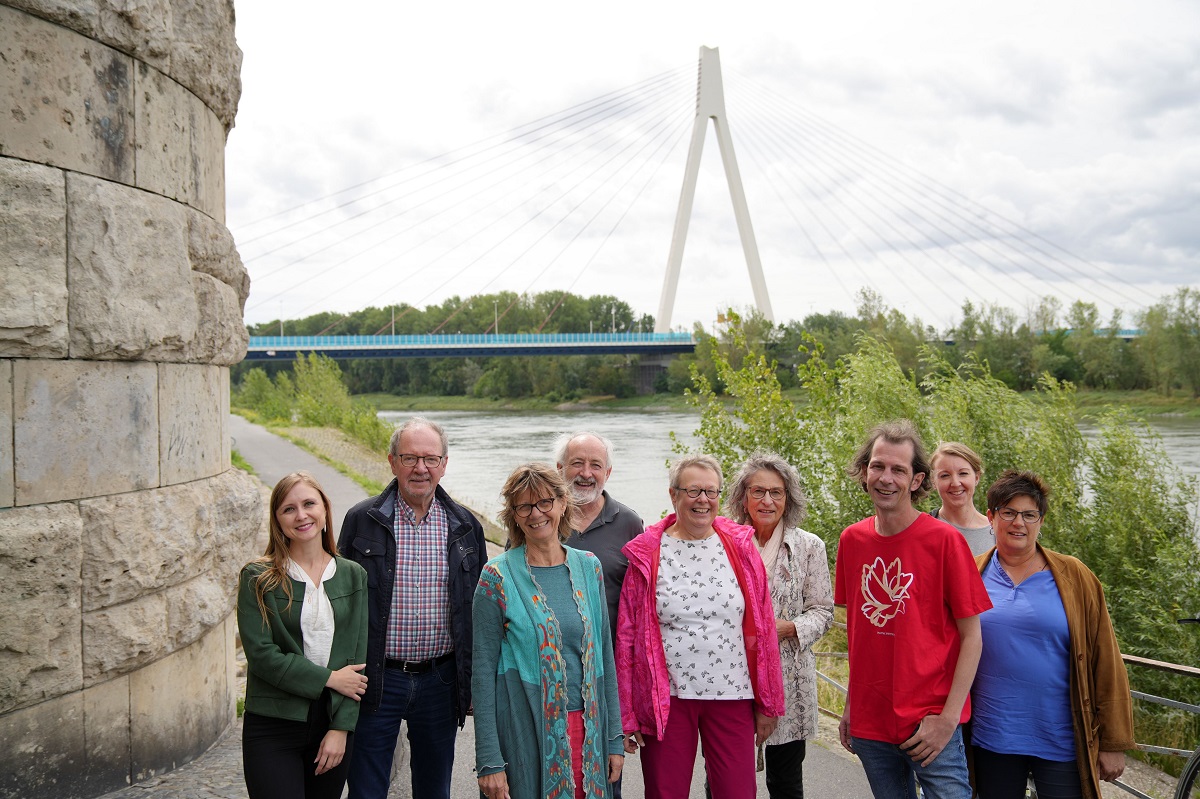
[710, 104]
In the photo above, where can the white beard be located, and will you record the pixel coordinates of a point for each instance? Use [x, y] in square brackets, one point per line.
[586, 496]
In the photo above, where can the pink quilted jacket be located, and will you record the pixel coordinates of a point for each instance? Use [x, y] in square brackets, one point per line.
[642, 680]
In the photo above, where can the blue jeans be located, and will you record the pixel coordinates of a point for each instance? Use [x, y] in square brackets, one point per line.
[426, 703]
[890, 770]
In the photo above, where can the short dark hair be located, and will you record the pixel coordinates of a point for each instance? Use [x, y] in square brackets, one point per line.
[896, 431]
[1014, 483]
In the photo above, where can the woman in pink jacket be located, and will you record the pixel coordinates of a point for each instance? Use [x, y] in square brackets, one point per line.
[697, 654]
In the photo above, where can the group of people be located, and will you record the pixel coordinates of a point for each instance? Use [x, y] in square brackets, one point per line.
[592, 637]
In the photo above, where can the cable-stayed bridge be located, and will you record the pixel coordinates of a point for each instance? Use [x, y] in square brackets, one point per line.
[546, 206]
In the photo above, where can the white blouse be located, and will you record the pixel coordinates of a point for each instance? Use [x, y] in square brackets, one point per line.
[700, 610]
[316, 614]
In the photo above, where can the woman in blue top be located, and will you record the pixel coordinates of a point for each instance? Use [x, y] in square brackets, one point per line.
[1051, 696]
[547, 718]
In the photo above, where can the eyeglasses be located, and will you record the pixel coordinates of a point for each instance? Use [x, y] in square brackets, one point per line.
[526, 508]
[431, 461]
[758, 492]
[711, 493]
[1030, 516]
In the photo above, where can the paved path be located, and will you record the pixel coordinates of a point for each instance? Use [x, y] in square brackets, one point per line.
[829, 773]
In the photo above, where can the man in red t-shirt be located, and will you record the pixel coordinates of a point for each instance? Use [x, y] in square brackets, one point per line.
[913, 597]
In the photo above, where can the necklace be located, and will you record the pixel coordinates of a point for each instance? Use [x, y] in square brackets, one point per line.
[1021, 572]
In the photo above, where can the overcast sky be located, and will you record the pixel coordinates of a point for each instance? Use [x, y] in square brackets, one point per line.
[1079, 121]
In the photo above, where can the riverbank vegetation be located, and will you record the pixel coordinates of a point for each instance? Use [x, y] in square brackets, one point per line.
[1119, 504]
[1161, 363]
[312, 394]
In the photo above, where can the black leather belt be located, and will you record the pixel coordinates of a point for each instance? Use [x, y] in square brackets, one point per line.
[417, 666]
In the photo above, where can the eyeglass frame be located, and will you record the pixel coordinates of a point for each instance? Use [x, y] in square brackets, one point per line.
[758, 492]
[529, 506]
[711, 493]
[438, 460]
[1024, 514]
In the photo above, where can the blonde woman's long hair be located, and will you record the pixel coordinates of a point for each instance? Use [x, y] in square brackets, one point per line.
[275, 559]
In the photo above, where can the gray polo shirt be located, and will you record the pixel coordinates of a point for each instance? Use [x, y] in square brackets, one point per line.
[613, 528]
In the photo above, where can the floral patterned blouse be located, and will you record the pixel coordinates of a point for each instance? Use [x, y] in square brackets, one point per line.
[801, 592]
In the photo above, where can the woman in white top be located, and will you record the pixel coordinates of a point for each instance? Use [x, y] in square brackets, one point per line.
[302, 616]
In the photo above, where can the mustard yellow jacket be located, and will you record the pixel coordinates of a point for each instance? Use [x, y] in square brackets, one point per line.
[1101, 706]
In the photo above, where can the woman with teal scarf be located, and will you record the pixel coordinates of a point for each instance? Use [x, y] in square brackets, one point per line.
[547, 718]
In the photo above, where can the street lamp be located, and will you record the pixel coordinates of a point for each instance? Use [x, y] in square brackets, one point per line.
[496, 314]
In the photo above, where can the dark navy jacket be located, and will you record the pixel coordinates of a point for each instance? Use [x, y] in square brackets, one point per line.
[368, 539]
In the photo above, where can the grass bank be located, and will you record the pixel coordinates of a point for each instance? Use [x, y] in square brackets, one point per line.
[1145, 404]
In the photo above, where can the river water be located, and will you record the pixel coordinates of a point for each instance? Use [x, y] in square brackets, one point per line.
[486, 446]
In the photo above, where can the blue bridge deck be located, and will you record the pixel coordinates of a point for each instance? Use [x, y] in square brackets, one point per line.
[285, 348]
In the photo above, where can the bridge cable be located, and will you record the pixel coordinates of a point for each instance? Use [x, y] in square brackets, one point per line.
[509, 135]
[617, 111]
[817, 156]
[548, 165]
[955, 202]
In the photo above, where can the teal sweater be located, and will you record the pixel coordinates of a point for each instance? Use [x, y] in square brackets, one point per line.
[280, 681]
[518, 682]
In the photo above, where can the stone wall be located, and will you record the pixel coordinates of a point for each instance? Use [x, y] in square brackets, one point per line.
[122, 525]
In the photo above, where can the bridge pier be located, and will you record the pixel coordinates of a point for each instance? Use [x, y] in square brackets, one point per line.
[649, 368]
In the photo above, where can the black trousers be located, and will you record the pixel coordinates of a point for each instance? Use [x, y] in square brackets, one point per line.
[278, 756]
[784, 771]
[998, 776]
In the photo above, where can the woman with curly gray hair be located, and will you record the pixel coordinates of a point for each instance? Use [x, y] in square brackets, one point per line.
[766, 495]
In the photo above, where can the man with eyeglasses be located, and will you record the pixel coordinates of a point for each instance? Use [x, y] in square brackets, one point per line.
[913, 597]
[423, 553]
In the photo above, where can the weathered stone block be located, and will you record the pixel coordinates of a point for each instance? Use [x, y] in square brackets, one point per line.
[78, 15]
[179, 705]
[226, 439]
[205, 56]
[43, 749]
[6, 434]
[180, 144]
[211, 250]
[40, 554]
[199, 605]
[148, 542]
[166, 115]
[141, 28]
[120, 639]
[191, 425]
[106, 729]
[65, 100]
[221, 336]
[208, 159]
[131, 295]
[33, 267]
[83, 429]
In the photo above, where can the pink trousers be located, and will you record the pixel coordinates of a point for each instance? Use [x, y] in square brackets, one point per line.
[725, 728]
[575, 736]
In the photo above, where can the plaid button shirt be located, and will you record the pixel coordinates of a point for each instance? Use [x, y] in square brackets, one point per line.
[419, 624]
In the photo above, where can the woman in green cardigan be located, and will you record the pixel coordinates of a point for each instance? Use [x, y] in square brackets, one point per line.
[302, 615]
[547, 718]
